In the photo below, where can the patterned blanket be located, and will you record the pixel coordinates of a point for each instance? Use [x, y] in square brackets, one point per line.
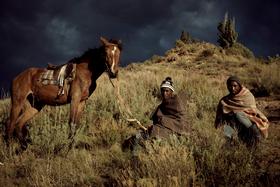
[57, 76]
[245, 102]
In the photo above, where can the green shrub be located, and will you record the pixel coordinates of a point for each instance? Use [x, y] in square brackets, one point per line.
[240, 50]
[228, 35]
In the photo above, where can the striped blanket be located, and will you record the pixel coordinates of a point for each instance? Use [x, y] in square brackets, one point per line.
[245, 102]
[59, 75]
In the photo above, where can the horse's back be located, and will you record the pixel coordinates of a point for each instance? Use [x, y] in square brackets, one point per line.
[29, 82]
[23, 81]
[27, 74]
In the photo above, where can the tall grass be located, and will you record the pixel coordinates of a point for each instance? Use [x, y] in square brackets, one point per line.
[197, 159]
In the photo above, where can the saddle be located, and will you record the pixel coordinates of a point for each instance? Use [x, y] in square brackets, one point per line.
[58, 75]
[54, 67]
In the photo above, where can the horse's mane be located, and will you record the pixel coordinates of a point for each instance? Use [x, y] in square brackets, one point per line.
[89, 54]
[97, 52]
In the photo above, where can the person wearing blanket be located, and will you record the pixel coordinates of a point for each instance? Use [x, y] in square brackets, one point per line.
[169, 118]
[238, 111]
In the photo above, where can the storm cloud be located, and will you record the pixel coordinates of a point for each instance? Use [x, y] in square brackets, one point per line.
[33, 33]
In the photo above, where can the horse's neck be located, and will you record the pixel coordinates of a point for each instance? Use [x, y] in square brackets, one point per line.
[92, 68]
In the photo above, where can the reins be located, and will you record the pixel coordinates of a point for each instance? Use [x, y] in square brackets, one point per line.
[127, 114]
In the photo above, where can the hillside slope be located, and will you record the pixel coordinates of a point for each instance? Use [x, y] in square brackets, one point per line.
[259, 75]
[199, 71]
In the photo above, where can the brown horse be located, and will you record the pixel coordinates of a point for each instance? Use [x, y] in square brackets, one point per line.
[29, 95]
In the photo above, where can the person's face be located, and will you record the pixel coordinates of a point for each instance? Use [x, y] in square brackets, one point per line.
[234, 88]
[166, 93]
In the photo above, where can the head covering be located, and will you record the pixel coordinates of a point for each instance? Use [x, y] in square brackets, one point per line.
[167, 83]
[233, 78]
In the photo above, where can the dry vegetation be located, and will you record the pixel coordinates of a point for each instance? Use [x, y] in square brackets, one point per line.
[199, 71]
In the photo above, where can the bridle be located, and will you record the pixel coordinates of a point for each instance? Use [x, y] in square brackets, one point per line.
[108, 68]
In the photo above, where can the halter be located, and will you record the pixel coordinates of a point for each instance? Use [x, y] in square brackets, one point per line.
[108, 69]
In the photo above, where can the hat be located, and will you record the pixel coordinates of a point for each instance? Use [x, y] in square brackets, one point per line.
[233, 78]
[167, 83]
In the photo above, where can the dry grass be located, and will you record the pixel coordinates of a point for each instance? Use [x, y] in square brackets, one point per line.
[199, 159]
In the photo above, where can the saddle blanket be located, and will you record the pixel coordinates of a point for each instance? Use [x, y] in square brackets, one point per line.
[58, 75]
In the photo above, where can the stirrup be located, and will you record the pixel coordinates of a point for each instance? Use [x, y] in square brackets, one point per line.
[60, 92]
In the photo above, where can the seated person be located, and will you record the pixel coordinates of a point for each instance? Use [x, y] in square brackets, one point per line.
[168, 118]
[238, 110]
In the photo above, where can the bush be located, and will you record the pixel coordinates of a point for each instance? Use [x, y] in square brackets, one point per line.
[240, 50]
[228, 35]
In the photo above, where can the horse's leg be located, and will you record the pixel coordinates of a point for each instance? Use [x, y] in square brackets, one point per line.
[26, 133]
[17, 106]
[80, 107]
[10, 127]
[75, 113]
[29, 112]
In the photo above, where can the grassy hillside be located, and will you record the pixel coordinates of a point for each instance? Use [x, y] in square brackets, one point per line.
[199, 71]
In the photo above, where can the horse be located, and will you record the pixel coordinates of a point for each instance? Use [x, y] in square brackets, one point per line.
[29, 95]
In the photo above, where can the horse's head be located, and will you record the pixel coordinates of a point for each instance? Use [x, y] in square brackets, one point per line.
[112, 56]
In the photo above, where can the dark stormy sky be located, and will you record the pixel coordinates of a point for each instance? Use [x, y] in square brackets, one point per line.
[33, 32]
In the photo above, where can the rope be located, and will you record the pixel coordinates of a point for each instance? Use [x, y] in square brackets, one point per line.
[122, 105]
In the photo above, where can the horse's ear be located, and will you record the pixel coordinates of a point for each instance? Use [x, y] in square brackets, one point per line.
[104, 41]
[119, 43]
